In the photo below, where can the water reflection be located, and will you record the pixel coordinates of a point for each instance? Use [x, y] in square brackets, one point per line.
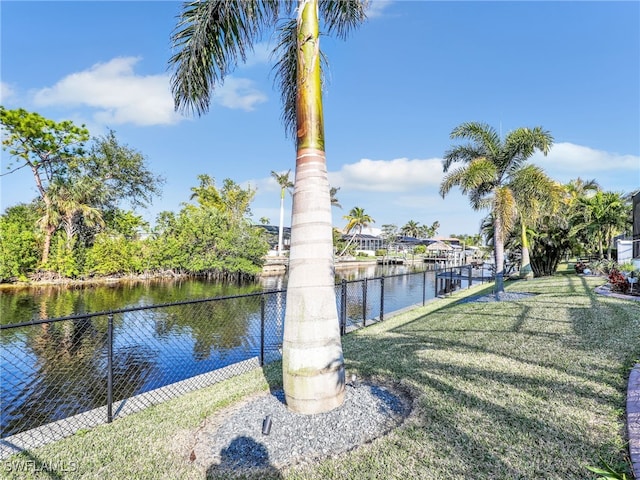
[54, 370]
[59, 369]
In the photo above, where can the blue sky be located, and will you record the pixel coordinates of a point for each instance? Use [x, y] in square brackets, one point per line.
[395, 90]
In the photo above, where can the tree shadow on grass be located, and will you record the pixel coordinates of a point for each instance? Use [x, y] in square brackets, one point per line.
[509, 378]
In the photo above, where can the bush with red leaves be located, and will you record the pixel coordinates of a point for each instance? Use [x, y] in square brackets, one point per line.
[618, 282]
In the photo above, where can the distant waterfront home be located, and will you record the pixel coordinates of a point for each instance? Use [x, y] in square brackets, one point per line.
[365, 242]
[272, 236]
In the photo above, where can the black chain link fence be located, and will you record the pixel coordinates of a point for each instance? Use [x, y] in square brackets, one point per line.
[61, 375]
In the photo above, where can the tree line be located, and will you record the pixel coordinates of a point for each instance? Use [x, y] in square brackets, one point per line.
[83, 223]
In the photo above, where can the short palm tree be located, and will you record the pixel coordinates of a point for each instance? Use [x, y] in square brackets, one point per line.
[356, 221]
[536, 195]
[210, 38]
[602, 216]
[411, 229]
[72, 200]
[285, 184]
[490, 172]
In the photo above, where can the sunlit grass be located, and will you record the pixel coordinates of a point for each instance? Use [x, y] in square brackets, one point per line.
[533, 389]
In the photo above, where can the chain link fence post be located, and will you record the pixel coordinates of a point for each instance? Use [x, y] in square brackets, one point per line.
[364, 302]
[343, 308]
[424, 288]
[262, 308]
[382, 298]
[109, 368]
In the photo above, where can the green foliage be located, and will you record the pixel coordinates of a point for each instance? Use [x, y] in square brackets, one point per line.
[491, 173]
[115, 255]
[213, 237]
[118, 173]
[62, 259]
[597, 218]
[126, 223]
[608, 473]
[42, 144]
[381, 252]
[419, 249]
[77, 188]
[468, 240]
[19, 247]
[338, 242]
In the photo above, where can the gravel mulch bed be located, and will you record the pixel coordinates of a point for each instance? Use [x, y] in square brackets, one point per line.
[233, 443]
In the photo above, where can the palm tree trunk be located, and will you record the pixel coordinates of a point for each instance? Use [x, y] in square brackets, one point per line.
[525, 262]
[312, 360]
[281, 227]
[348, 243]
[498, 248]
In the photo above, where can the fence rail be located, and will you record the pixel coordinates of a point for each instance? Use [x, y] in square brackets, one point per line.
[64, 374]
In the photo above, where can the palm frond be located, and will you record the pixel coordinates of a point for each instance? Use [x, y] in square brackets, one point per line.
[286, 73]
[461, 153]
[476, 177]
[343, 16]
[521, 144]
[482, 134]
[504, 206]
[210, 39]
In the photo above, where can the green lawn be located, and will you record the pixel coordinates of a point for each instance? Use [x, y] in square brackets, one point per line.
[533, 389]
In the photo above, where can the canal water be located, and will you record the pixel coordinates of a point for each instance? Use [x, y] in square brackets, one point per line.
[52, 371]
[26, 304]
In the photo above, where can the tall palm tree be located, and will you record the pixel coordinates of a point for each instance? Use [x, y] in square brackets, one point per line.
[536, 195]
[285, 183]
[356, 221]
[490, 169]
[210, 38]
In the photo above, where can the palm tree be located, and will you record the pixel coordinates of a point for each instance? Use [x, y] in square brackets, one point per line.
[428, 232]
[579, 188]
[356, 221]
[334, 200]
[491, 167]
[411, 229]
[285, 183]
[210, 38]
[72, 200]
[603, 216]
[536, 195]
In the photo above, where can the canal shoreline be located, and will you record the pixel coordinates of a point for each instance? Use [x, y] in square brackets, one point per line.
[273, 266]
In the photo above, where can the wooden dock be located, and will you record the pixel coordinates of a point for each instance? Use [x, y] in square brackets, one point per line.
[390, 261]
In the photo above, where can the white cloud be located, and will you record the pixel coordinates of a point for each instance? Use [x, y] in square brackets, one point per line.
[120, 95]
[577, 160]
[261, 54]
[376, 7]
[238, 93]
[7, 93]
[398, 175]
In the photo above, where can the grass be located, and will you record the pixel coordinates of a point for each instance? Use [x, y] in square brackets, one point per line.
[533, 389]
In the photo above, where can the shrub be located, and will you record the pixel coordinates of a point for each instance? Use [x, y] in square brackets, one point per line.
[618, 281]
[420, 249]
